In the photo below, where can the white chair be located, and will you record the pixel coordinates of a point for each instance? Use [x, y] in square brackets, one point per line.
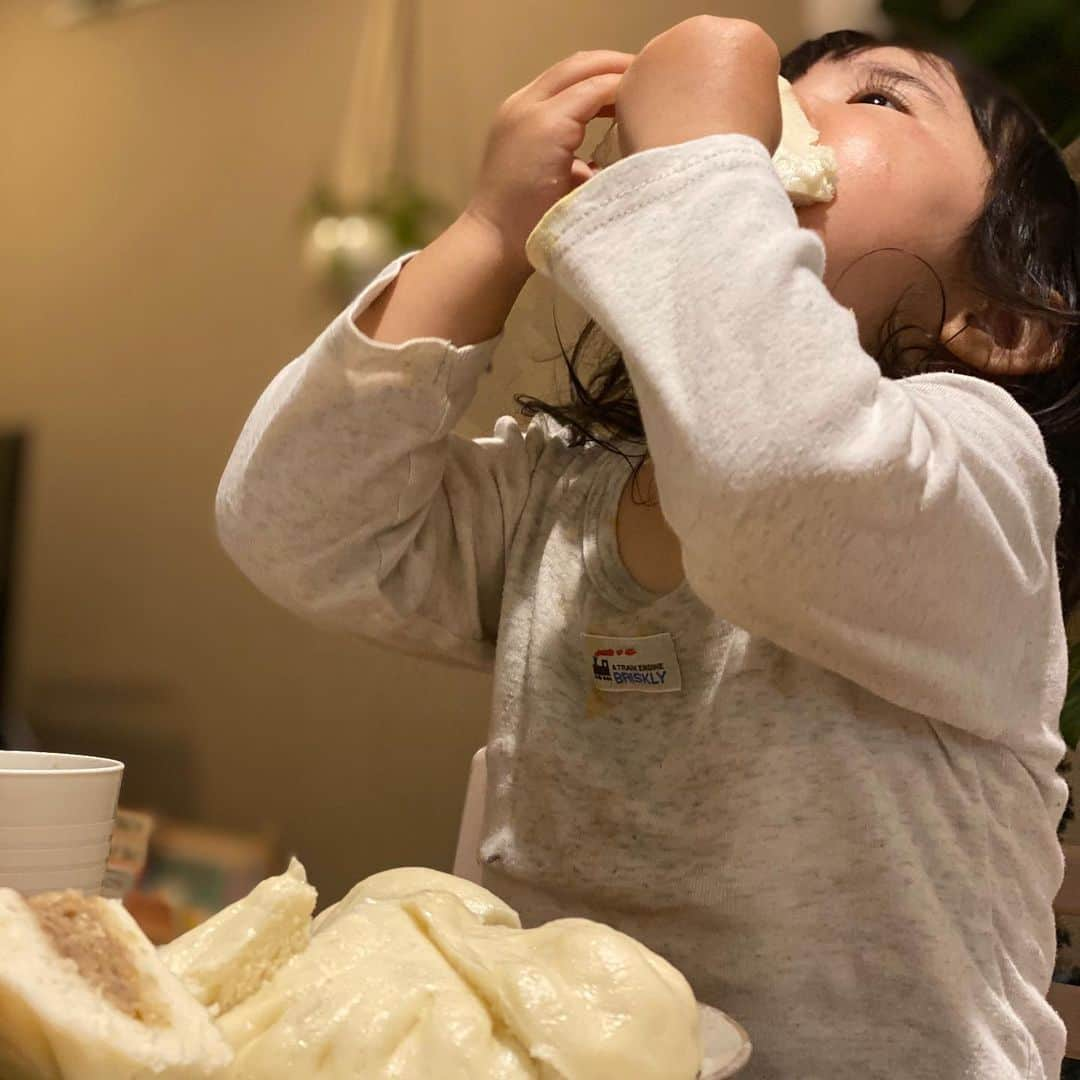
[466, 863]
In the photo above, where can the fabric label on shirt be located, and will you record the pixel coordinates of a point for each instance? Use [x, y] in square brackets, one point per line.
[645, 664]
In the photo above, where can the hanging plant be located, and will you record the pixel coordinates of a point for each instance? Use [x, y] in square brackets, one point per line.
[349, 242]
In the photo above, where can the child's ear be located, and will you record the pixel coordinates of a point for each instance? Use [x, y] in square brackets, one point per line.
[1001, 342]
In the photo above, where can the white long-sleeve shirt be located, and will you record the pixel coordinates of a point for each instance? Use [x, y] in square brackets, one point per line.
[823, 782]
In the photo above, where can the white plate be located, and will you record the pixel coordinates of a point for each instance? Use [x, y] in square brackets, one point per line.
[727, 1046]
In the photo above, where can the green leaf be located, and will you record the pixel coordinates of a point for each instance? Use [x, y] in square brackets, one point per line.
[1032, 47]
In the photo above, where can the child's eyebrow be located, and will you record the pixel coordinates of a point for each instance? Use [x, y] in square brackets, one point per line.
[889, 73]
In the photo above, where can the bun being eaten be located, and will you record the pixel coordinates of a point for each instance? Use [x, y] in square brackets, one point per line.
[807, 170]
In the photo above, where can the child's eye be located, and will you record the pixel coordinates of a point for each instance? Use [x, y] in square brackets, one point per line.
[889, 93]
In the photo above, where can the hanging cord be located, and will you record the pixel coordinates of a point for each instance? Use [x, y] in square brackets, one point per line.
[366, 150]
[403, 149]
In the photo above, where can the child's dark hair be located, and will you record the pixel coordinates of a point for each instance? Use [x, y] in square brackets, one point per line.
[1024, 250]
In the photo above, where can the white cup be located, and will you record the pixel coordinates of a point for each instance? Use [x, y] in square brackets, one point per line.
[56, 820]
[39, 836]
[55, 857]
[29, 882]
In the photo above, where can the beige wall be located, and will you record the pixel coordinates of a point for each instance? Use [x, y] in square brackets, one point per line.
[151, 286]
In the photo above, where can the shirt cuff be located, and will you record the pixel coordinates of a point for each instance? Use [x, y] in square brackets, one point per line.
[345, 328]
[641, 178]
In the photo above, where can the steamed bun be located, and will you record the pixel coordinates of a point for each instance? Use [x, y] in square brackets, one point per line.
[806, 169]
[84, 996]
[417, 974]
[371, 996]
[226, 959]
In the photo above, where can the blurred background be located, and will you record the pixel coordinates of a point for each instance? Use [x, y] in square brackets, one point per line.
[190, 191]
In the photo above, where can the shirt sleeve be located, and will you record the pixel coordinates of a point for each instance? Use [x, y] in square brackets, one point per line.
[897, 532]
[349, 500]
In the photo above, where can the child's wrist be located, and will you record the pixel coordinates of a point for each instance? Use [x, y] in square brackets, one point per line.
[508, 255]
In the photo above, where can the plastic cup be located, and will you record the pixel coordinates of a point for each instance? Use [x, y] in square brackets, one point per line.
[30, 882]
[55, 857]
[35, 836]
[56, 820]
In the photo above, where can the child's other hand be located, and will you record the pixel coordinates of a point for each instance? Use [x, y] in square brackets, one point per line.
[529, 161]
[704, 76]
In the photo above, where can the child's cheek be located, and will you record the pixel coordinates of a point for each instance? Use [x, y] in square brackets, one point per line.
[860, 153]
[866, 215]
[863, 214]
[865, 173]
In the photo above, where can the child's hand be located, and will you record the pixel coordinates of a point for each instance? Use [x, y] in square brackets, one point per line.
[704, 76]
[529, 161]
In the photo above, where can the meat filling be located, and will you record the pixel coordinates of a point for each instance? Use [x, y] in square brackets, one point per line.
[73, 923]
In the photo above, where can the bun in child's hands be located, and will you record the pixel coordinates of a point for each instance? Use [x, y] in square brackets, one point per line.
[806, 169]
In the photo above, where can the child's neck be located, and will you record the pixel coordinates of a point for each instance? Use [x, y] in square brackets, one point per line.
[649, 549]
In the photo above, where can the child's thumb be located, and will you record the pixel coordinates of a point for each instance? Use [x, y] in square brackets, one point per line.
[580, 172]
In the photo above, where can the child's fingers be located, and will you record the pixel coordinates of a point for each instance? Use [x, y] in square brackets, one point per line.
[580, 171]
[574, 69]
[584, 101]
